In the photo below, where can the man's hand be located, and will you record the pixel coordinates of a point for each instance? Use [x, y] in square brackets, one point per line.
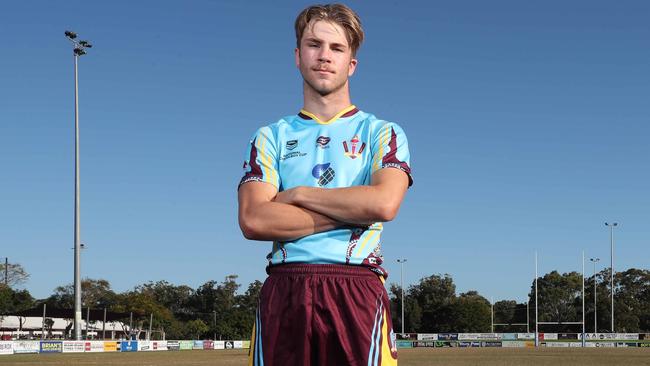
[288, 197]
[261, 217]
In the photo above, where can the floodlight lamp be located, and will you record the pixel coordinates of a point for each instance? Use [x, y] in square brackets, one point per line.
[70, 34]
[79, 52]
[85, 44]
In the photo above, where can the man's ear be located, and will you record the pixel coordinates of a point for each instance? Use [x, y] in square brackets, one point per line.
[297, 55]
[353, 66]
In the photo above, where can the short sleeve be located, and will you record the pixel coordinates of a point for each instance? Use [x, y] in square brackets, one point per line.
[261, 159]
[390, 149]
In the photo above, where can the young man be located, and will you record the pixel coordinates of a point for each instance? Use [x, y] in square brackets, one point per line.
[319, 184]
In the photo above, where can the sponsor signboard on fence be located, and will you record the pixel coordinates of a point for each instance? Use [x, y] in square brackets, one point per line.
[27, 346]
[230, 344]
[246, 344]
[513, 344]
[129, 346]
[406, 336]
[111, 346]
[566, 336]
[404, 344]
[549, 336]
[219, 345]
[174, 345]
[186, 345]
[491, 344]
[644, 344]
[197, 345]
[208, 344]
[238, 345]
[74, 346]
[628, 336]
[51, 347]
[424, 344]
[478, 336]
[525, 335]
[509, 336]
[448, 336]
[144, 346]
[159, 345]
[94, 346]
[6, 347]
[556, 344]
[427, 337]
[598, 336]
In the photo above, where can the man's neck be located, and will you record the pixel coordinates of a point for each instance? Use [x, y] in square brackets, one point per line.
[328, 106]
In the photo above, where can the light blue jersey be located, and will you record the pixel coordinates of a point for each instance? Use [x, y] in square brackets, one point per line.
[301, 150]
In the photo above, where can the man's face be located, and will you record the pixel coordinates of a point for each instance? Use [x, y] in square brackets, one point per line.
[324, 57]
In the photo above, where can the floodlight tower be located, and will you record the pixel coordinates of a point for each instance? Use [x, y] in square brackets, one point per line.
[611, 241]
[595, 260]
[401, 262]
[78, 49]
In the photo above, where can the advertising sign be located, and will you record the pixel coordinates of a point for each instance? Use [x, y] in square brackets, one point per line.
[173, 345]
[643, 336]
[237, 345]
[185, 345]
[509, 336]
[51, 346]
[525, 335]
[566, 336]
[644, 344]
[605, 344]
[208, 344]
[406, 336]
[197, 345]
[246, 344]
[424, 344]
[478, 336]
[230, 344]
[551, 336]
[94, 346]
[442, 344]
[427, 337]
[129, 346]
[219, 345]
[6, 347]
[404, 344]
[469, 344]
[159, 345]
[513, 344]
[491, 344]
[111, 346]
[74, 346]
[628, 336]
[448, 336]
[27, 346]
[556, 344]
[145, 346]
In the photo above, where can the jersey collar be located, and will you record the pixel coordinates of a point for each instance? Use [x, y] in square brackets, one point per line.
[346, 112]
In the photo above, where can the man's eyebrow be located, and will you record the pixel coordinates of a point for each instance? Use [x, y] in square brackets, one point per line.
[316, 40]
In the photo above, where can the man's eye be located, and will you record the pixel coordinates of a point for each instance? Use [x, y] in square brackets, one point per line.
[313, 45]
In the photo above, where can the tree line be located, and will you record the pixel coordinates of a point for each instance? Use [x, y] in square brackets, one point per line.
[225, 310]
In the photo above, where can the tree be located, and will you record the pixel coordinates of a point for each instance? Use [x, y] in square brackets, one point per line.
[471, 313]
[16, 274]
[196, 328]
[12, 301]
[435, 297]
[96, 294]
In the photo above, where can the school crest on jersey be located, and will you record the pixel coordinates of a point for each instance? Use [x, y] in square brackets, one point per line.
[353, 150]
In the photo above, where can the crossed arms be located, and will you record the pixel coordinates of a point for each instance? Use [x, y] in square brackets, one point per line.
[268, 215]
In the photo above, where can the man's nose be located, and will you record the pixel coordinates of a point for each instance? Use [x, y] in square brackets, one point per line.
[325, 54]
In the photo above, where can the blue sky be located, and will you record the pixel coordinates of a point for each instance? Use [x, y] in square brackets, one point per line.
[527, 123]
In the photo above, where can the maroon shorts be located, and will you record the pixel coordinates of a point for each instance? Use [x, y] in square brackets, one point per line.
[323, 314]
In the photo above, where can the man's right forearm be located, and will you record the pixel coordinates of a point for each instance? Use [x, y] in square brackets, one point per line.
[274, 221]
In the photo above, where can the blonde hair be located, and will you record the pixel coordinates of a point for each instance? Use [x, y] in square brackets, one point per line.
[335, 13]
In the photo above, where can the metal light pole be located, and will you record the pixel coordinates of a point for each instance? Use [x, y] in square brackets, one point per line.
[78, 50]
[491, 315]
[401, 262]
[595, 291]
[536, 323]
[611, 240]
[584, 344]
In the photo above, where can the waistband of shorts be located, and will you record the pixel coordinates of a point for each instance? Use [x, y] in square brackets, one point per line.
[292, 269]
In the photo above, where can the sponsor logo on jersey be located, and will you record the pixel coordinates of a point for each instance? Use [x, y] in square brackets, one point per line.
[324, 173]
[291, 144]
[353, 150]
[322, 142]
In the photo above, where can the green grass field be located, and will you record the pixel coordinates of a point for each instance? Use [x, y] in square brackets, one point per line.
[416, 356]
